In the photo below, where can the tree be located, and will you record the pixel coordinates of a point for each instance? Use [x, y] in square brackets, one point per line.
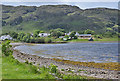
[66, 36]
[81, 32]
[57, 32]
[20, 36]
[13, 34]
[36, 33]
[41, 32]
[72, 34]
[88, 31]
[26, 38]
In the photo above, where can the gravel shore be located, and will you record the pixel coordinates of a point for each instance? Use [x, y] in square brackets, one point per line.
[68, 68]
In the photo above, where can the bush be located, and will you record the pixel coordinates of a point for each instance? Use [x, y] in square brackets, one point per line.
[39, 40]
[75, 37]
[32, 40]
[6, 48]
[48, 40]
[53, 68]
[62, 70]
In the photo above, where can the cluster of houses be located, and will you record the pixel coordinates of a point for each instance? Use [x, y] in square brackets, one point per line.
[80, 36]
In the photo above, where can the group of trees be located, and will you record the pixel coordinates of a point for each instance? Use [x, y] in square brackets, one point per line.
[57, 32]
[30, 38]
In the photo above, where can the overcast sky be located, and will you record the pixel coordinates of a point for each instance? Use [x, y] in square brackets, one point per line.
[83, 4]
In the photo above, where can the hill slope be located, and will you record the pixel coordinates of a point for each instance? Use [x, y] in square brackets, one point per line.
[46, 17]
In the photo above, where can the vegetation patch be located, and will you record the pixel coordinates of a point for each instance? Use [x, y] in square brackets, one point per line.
[110, 66]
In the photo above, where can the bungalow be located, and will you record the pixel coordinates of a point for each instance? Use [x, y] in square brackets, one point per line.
[43, 34]
[4, 37]
[85, 36]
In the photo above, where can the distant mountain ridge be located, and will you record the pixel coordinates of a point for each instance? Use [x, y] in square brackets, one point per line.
[46, 17]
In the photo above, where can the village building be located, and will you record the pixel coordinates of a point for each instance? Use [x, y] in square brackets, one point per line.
[43, 34]
[4, 37]
[84, 36]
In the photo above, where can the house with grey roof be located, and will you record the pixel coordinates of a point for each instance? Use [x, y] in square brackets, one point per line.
[84, 36]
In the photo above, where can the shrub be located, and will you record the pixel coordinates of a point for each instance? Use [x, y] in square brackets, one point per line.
[48, 40]
[62, 70]
[39, 40]
[6, 48]
[53, 68]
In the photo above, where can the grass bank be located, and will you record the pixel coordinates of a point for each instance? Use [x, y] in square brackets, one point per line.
[12, 69]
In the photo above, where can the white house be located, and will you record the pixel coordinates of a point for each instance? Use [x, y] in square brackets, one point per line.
[4, 37]
[43, 34]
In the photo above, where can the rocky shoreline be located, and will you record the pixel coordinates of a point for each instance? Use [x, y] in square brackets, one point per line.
[65, 68]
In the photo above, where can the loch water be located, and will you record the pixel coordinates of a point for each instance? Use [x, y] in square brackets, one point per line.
[83, 52]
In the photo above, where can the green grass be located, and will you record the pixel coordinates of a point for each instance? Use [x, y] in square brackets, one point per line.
[77, 40]
[12, 69]
[103, 39]
[106, 39]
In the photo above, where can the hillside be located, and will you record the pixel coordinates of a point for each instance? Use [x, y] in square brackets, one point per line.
[46, 17]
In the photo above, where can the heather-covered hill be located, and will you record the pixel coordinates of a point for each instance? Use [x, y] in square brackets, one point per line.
[46, 17]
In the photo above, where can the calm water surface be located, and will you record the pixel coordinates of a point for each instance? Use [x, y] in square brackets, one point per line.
[84, 52]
